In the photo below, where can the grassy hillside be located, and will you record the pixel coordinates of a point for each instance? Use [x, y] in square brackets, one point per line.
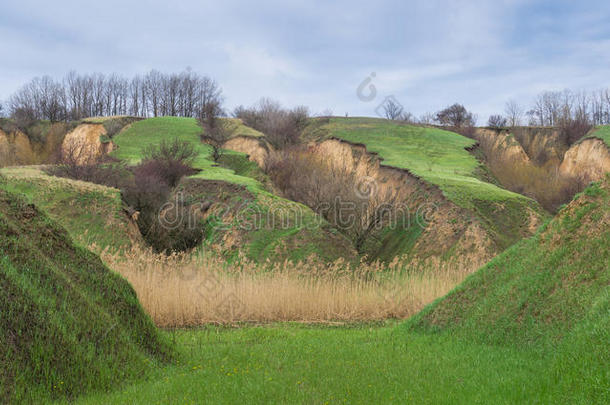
[67, 324]
[439, 157]
[442, 159]
[550, 291]
[92, 214]
[267, 226]
[539, 289]
[151, 131]
[602, 132]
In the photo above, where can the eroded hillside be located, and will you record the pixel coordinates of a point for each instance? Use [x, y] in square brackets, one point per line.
[539, 162]
[453, 215]
[67, 323]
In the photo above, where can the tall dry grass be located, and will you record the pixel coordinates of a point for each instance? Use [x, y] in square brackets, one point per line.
[190, 290]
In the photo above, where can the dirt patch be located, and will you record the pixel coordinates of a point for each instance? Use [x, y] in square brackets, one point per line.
[86, 143]
[588, 160]
[536, 162]
[257, 149]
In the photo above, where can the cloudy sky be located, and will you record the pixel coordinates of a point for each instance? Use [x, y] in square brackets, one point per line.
[426, 54]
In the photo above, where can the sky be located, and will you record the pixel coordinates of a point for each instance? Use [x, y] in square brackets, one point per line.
[343, 56]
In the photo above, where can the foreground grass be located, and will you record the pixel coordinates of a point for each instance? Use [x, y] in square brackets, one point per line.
[365, 364]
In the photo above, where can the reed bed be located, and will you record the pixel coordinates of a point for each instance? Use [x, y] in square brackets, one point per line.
[184, 290]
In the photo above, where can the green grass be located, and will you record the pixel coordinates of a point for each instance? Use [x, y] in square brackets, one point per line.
[362, 364]
[602, 132]
[538, 290]
[437, 156]
[152, 131]
[532, 326]
[67, 324]
[92, 214]
[441, 158]
[270, 240]
[551, 292]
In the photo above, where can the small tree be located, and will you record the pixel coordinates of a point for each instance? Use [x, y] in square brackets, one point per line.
[24, 118]
[392, 109]
[216, 131]
[456, 116]
[496, 121]
[282, 127]
[171, 160]
[513, 112]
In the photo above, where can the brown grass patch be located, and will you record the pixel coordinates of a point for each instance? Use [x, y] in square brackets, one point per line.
[189, 290]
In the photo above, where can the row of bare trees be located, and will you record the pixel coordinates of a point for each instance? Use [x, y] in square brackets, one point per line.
[554, 108]
[77, 96]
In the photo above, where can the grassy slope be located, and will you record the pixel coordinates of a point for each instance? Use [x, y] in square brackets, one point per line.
[92, 214]
[550, 291]
[67, 324]
[304, 238]
[440, 157]
[539, 289]
[153, 130]
[435, 155]
[602, 132]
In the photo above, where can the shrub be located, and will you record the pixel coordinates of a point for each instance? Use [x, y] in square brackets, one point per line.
[496, 121]
[170, 160]
[282, 127]
[334, 192]
[24, 118]
[574, 129]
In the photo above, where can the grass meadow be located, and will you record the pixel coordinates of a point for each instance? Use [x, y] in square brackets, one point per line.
[356, 364]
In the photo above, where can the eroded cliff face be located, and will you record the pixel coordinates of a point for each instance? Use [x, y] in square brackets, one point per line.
[16, 149]
[257, 149]
[436, 230]
[542, 145]
[588, 160]
[84, 143]
[536, 162]
[501, 146]
[4, 149]
[42, 146]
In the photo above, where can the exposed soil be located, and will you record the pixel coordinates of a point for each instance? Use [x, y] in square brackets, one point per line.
[536, 162]
[449, 232]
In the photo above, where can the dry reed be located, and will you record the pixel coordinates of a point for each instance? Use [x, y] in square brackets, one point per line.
[190, 290]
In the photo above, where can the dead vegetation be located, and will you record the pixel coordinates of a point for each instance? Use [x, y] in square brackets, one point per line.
[188, 290]
[356, 206]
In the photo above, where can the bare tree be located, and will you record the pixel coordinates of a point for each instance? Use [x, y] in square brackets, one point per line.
[392, 109]
[216, 131]
[426, 119]
[282, 127]
[496, 121]
[514, 113]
